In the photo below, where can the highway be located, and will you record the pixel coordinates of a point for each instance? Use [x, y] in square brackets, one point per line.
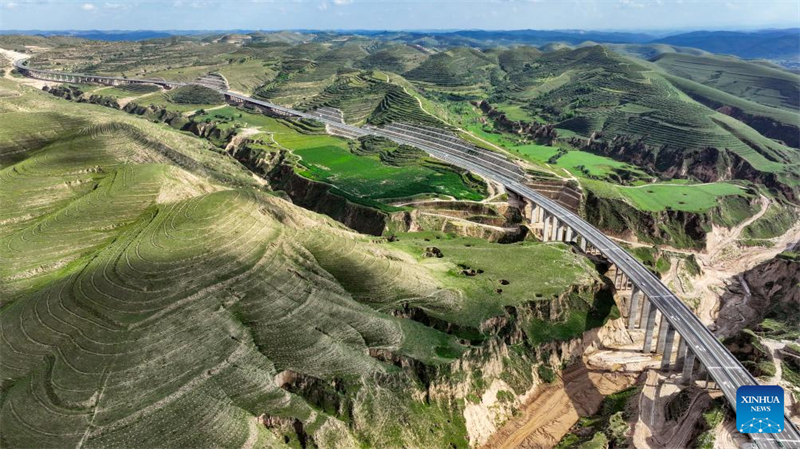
[724, 368]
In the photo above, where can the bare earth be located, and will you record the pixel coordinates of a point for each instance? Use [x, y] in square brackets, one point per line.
[12, 56]
[556, 407]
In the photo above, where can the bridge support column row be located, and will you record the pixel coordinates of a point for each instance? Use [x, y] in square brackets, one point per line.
[552, 229]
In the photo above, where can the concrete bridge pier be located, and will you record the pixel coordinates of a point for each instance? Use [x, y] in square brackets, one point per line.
[534, 212]
[633, 309]
[645, 311]
[554, 228]
[568, 238]
[681, 355]
[583, 244]
[669, 340]
[650, 322]
[663, 327]
[546, 228]
[688, 366]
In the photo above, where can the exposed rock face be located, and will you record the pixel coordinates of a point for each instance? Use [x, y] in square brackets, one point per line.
[786, 133]
[567, 192]
[771, 289]
[711, 165]
[618, 218]
[494, 223]
[541, 132]
[481, 389]
[625, 148]
[316, 196]
[706, 164]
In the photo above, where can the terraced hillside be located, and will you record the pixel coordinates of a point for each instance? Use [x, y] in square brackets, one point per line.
[761, 84]
[636, 115]
[455, 67]
[157, 294]
[607, 117]
[367, 99]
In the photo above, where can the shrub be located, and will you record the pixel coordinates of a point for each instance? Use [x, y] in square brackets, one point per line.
[195, 95]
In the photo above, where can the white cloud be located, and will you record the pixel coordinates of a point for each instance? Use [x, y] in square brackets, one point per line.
[342, 2]
[88, 7]
[632, 3]
[10, 5]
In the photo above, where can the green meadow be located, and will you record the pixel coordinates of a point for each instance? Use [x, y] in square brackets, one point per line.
[675, 196]
[359, 177]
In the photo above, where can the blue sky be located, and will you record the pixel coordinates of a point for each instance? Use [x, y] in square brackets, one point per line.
[398, 14]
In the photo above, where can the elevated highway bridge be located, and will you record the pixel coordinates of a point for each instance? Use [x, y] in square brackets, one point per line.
[650, 298]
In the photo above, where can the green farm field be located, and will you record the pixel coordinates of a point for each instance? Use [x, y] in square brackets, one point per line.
[359, 177]
[576, 162]
[670, 196]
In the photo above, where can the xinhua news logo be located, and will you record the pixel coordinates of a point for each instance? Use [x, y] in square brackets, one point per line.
[759, 409]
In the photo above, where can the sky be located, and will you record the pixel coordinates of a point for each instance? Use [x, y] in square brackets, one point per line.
[627, 15]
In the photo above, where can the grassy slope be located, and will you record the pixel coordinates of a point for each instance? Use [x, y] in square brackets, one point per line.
[147, 303]
[763, 85]
[556, 271]
[675, 196]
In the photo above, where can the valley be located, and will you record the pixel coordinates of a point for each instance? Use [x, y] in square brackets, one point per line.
[304, 288]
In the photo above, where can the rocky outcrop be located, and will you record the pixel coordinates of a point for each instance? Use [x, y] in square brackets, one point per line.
[712, 165]
[706, 164]
[483, 388]
[74, 93]
[545, 133]
[567, 192]
[318, 197]
[494, 223]
[787, 133]
[770, 290]
[675, 228]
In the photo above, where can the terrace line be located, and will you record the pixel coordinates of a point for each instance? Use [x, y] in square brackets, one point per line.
[697, 342]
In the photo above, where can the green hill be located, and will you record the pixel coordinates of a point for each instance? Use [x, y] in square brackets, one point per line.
[768, 86]
[455, 67]
[393, 58]
[155, 293]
